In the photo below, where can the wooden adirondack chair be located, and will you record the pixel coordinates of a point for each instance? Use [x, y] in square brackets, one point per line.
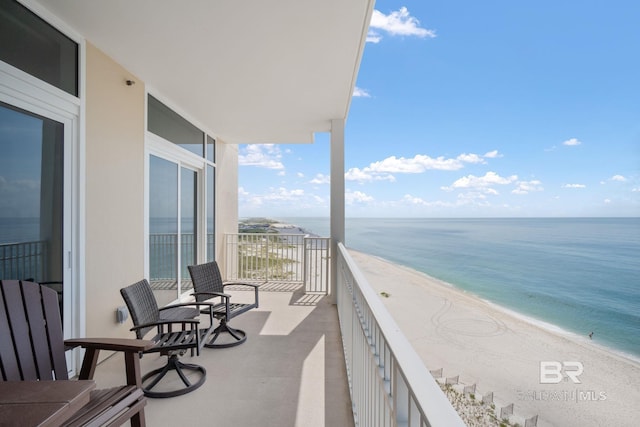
[32, 349]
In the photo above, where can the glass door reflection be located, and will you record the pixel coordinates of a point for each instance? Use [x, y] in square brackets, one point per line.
[172, 227]
[31, 190]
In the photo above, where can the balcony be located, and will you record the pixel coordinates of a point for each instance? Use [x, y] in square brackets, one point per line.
[289, 372]
[308, 362]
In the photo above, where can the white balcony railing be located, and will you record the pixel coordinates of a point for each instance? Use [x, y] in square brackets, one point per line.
[389, 383]
[278, 257]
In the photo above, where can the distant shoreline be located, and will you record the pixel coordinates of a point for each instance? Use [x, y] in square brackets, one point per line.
[271, 225]
[491, 271]
[500, 350]
[577, 273]
[549, 327]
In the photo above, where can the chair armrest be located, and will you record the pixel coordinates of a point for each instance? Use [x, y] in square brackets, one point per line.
[130, 348]
[182, 304]
[189, 304]
[166, 322]
[110, 344]
[253, 285]
[211, 294]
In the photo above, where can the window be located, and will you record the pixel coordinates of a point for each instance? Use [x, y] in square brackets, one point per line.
[166, 123]
[52, 56]
[211, 149]
[181, 197]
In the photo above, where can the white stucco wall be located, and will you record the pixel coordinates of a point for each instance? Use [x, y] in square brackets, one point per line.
[226, 196]
[114, 190]
[114, 235]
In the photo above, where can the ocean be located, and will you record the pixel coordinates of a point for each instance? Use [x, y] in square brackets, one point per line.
[574, 275]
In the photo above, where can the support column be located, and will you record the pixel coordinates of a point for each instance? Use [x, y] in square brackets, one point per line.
[337, 199]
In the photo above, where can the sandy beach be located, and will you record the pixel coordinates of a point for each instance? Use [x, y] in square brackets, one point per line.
[502, 352]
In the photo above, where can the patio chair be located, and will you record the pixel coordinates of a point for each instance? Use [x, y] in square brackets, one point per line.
[146, 316]
[207, 286]
[32, 349]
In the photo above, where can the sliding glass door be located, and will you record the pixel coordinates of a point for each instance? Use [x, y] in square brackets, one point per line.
[181, 199]
[173, 226]
[32, 192]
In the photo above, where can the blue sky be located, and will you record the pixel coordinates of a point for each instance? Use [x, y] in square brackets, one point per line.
[476, 109]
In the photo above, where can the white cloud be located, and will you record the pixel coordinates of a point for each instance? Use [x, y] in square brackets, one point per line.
[471, 196]
[408, 198]
[352, 197]
[367, 175]
[607, 201]
[492, 154]
[373, 37]
[383, 170]
[574, 186]
[470, 158]
[321, 179]
[282, 193]
[484, 185]
[418, 164]
[526, 187]
[261, 155]
[481, 182]
[276, 195]
[300, 175]
[618, 178]
[290, 193]
[359, 92]
[396, 23]
[572, 142]
[635, 190]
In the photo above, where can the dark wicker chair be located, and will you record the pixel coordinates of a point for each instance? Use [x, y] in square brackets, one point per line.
[208, 286]
[146, 316]
[32, 349]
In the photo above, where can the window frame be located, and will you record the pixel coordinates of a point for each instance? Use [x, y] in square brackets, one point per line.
[158, 146]
[29, 93]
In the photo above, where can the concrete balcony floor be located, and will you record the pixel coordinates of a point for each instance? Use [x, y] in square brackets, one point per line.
[289, 372]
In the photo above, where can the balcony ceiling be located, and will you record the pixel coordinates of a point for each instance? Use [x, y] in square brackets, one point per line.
[248, 71]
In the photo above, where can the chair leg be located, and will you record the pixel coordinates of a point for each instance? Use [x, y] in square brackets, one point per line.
[238, 335]
[173, 364]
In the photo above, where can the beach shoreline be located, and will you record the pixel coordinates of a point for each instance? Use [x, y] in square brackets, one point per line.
[503, 352]
[550, 327]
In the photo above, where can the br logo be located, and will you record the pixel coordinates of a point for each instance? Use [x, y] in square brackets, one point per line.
[552, 372]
